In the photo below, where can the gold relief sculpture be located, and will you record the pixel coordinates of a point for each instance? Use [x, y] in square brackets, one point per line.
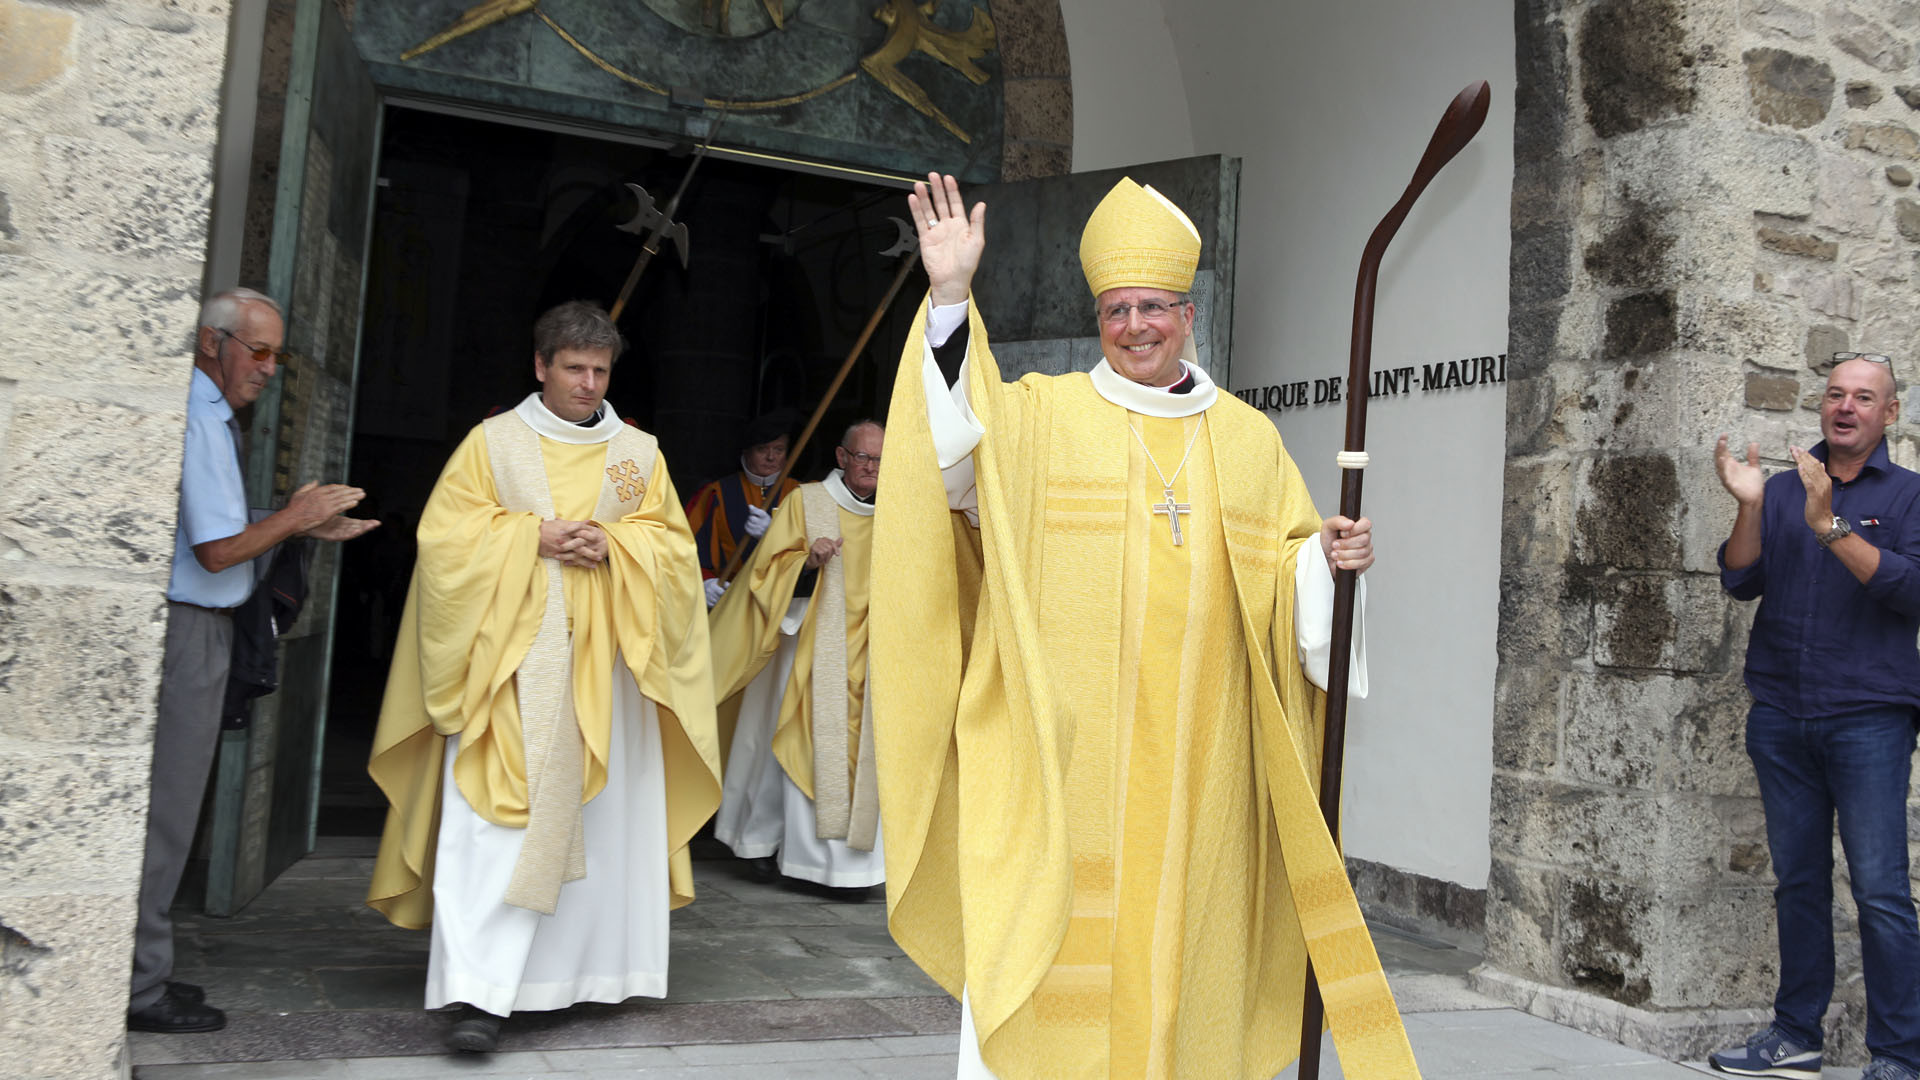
[717, 13]
[910, 29]
[476, 18]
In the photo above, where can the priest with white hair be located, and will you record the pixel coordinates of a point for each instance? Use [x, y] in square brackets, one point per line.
[800, 781]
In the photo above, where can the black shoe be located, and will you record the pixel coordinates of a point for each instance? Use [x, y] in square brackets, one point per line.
[475, 1032]
[765, 869]
[172, 1015]
[187, 992]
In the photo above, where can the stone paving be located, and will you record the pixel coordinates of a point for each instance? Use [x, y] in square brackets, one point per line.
[767, 982]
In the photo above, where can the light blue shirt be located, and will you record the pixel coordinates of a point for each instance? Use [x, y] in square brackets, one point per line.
[213, 501]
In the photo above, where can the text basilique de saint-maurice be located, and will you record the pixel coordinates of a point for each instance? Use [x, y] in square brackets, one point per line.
[1385, 383]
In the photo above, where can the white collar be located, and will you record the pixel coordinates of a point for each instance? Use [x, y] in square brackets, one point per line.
[548, 426]
[1153, 400]
[837, 487]
[754, 478]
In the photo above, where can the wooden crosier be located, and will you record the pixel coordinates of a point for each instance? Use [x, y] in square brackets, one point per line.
[1457, 127]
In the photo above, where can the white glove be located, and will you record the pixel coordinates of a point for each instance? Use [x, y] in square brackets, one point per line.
[757, 521]
[715, 587]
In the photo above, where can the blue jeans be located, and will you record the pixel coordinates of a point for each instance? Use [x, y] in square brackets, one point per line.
[1857, 766]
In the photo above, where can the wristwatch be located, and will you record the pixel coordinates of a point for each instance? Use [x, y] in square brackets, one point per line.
[1840, 528]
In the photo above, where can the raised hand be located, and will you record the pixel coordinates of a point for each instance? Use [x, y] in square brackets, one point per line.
[951, 240]
[1742, 479]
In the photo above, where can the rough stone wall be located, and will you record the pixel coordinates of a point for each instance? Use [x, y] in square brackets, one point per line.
[108, 115]
[1710, 197]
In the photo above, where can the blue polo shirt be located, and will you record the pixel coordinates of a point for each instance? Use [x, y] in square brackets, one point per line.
[1824, 644]
[213, 501]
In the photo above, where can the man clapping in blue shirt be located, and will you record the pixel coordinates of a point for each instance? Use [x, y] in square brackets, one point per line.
[1832, 549]
[236, 351]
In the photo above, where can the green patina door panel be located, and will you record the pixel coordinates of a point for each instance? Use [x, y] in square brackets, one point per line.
[266, 788]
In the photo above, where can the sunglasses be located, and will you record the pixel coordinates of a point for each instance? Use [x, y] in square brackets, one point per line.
[260, 353]
[1871, 358]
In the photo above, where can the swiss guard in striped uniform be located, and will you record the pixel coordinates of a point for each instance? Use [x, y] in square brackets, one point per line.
[736, 509]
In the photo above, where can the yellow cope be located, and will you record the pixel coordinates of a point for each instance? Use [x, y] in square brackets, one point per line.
[746, 632]
[1101, 817]
[473, 608]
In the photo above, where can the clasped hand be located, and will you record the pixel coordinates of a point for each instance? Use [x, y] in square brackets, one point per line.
[581, 544]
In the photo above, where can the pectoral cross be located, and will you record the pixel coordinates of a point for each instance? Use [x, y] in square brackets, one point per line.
[1173, 510]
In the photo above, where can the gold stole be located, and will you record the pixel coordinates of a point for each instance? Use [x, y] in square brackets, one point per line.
[554, 849]
[847, 807]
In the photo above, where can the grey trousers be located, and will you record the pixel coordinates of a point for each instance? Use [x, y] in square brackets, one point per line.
[193, 684]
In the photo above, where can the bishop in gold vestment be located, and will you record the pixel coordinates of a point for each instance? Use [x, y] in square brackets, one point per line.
[1099, 715]
[800, 776]
[547, 737]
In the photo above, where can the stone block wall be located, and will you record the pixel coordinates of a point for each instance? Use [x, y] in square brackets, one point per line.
[1039, 89]
[1710, 198]
[108, 116]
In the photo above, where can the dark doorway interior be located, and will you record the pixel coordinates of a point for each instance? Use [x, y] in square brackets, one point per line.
[478, 228]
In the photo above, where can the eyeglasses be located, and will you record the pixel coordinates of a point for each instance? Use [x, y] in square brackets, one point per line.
[1148, 309]
[861, 457]
[260, 353]
[1871, 358]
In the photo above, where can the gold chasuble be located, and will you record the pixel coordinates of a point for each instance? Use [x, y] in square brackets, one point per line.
[478, 618]
[824, 739]
[1099, 778]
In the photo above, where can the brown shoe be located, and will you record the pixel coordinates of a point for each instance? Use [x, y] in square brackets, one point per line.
[173, 1015]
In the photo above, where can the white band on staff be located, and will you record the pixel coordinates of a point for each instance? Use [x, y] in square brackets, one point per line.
[1351, 459]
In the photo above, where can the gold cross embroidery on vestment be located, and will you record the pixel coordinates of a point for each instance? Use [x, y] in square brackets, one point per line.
[628, 481]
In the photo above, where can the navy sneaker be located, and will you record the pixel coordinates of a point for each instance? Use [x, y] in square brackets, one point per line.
[1883, 1069]
[1769, 1053]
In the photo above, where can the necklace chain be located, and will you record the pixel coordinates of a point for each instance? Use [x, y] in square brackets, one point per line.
[1165, 480]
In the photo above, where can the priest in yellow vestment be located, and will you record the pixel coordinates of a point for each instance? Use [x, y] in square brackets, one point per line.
[547, 737]
[800, 776]
[1099, 709]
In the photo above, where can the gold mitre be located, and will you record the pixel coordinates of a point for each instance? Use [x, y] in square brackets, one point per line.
[1136, 238]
